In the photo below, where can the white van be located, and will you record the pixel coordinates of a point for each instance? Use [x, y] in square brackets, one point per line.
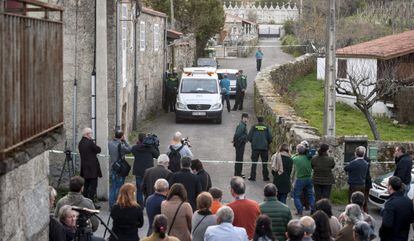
[199, 96]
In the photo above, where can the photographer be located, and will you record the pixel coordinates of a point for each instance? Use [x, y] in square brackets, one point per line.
[113, 148]
[144, 153]
[177, 149]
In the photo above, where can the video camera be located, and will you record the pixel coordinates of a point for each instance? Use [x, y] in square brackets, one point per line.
[186, 141]
[84, 215]
[151, 140]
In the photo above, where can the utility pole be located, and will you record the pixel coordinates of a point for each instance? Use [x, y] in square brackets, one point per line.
[330, 75]
[172, 14]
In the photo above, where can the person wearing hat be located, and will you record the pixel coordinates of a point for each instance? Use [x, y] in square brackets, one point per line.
[260, 138]
[241, 86]
[239, 142]
[225, 86]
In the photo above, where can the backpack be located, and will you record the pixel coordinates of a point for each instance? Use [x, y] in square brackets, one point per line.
[175, 158]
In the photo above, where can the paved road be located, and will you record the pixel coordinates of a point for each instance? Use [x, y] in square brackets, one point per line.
[213, 142]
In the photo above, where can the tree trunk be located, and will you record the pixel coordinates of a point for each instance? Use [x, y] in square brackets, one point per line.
[371, 122]
[200, 46]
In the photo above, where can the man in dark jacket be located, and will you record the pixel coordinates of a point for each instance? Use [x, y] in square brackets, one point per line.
[404, 164]
[260, 137]
[144, 155]
[397, 213]
[239, 142]
[241, 86]
[190, 181]
[152, 174]
[278, 212]
[153, 202]
[357, 172]
[90, 168]
[198, 169]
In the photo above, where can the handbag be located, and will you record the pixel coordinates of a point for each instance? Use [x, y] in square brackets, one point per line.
[121, 167]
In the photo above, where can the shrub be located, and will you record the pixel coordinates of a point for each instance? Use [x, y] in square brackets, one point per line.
[293, 50]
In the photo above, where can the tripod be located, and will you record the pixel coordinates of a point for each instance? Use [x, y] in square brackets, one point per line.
[71, 168]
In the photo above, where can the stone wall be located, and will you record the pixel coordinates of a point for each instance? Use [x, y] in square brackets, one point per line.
[181, 53]
[24, 198]
[287, 127]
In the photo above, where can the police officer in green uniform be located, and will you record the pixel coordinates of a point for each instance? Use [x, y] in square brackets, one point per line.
[239, 142]
[260, 137]
[171, 91]
[241, 86]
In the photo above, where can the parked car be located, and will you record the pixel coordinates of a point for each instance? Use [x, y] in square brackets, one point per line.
[199, 96]
[378, 194]
[231, 75]
[207, 62]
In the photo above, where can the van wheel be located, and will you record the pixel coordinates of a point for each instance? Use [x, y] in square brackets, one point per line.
[218, 120]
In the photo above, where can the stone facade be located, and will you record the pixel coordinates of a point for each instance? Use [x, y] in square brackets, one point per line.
[181, 52]
[269, 87]
[24, 200]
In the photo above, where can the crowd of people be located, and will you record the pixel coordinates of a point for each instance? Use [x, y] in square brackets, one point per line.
[182, 204]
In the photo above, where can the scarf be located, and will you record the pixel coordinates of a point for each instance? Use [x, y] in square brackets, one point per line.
[277, 163]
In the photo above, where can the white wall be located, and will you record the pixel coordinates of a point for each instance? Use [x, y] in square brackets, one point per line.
[320, 68]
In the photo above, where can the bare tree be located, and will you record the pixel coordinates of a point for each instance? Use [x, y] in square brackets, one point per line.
[361, 82]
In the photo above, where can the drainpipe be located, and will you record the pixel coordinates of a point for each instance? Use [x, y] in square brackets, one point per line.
[135, 118]
[93, 87]
[165, 62]
[117, 69]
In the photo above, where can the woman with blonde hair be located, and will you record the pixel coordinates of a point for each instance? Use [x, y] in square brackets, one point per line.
[179, 212]
[126, 214]
[160, 228]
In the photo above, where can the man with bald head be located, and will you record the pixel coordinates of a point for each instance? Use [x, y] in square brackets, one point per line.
[154, 173]
[90, 169]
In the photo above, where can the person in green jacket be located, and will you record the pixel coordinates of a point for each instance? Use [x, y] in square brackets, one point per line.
[260, 137]
[239, 142]
[278, 212]
[303, 169]
[241, 86]
[171, 91]
[323, 178]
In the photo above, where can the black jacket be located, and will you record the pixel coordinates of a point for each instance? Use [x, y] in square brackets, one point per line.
[151, 175]
[396, 218]
[56, 230]
[357, 172]
[90, 167]
[191, 183]
[126, 222]
[404, 164]
[143, 158]
[205, 180]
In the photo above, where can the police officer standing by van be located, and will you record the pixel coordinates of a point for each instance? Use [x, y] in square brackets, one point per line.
[260, 137]
[171, 90]
[239, 142]
[241, 86]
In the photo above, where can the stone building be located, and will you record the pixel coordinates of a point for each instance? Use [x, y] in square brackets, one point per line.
[180, 51]
[237, 30]
[31, 119]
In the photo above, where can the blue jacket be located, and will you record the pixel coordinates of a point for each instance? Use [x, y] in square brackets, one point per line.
[153, 207]
[357, 172]
[404, 164]
[259, 54]
[225, 83]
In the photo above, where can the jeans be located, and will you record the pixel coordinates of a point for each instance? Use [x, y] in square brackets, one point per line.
[140, 196]
[322, 191]
[282, 197]
[301, 184]
[227, 99]
[258, 64]
[116, 184]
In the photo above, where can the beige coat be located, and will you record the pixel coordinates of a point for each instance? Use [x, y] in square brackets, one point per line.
[182, 224]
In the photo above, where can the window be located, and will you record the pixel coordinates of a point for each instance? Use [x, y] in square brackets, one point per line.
[142, 36]
[342, 69]
[156, 36]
